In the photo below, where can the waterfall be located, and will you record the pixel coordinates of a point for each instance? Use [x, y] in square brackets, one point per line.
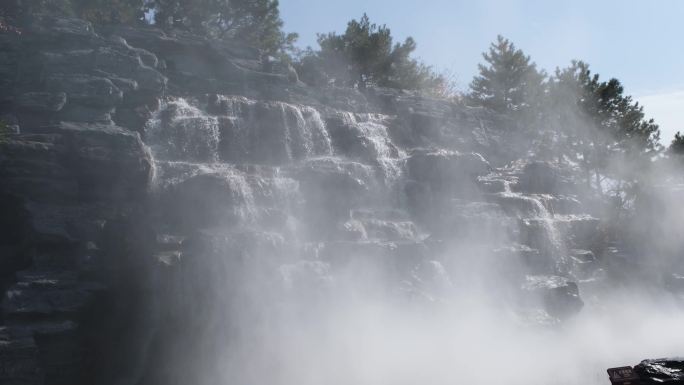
[269, 132]
[537, 214]
[375, 143]
[182, 131]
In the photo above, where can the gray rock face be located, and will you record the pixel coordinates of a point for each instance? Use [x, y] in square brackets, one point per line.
[83, 76]
[46, 294]
[72, 161]
[447, 172]
[211, 200]
[113, 162]
[42, 101]
[86, 90]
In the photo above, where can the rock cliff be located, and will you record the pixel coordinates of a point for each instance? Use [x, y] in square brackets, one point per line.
[156, 182]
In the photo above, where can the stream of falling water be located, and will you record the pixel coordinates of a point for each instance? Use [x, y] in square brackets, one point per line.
[541, 214]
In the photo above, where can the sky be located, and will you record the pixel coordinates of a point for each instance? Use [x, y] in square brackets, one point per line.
[641, 43]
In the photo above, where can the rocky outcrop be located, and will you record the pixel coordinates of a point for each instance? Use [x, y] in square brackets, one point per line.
[64, 173]
[60, 186]
[82, 76]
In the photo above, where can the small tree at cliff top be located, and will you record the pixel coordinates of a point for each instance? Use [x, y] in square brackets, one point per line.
[256, 22]
[677, 145]
[367, 55]
[508, 82]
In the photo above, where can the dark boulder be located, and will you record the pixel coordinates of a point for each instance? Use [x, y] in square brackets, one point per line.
[661, 371]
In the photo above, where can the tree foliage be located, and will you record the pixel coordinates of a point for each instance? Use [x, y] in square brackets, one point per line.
[367, 55]
[573, 114]
[612, 118]
[509, 81]
[256, 22]
[601, 126]
[677, 145]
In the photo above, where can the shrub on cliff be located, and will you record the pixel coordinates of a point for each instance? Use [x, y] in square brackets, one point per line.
[256, 22]
[367, 55]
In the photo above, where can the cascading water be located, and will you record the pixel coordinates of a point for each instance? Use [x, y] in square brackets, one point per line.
[539, 215]
[180, 130]
[269, 132]
[375, 143]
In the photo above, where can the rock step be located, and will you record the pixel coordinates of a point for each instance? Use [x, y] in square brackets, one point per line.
[42, 295]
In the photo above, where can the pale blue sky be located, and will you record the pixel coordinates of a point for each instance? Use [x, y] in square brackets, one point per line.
[639, 42]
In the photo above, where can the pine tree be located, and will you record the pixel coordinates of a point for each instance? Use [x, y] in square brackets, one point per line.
[598, 121]
[366, 55]
[509, 82]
